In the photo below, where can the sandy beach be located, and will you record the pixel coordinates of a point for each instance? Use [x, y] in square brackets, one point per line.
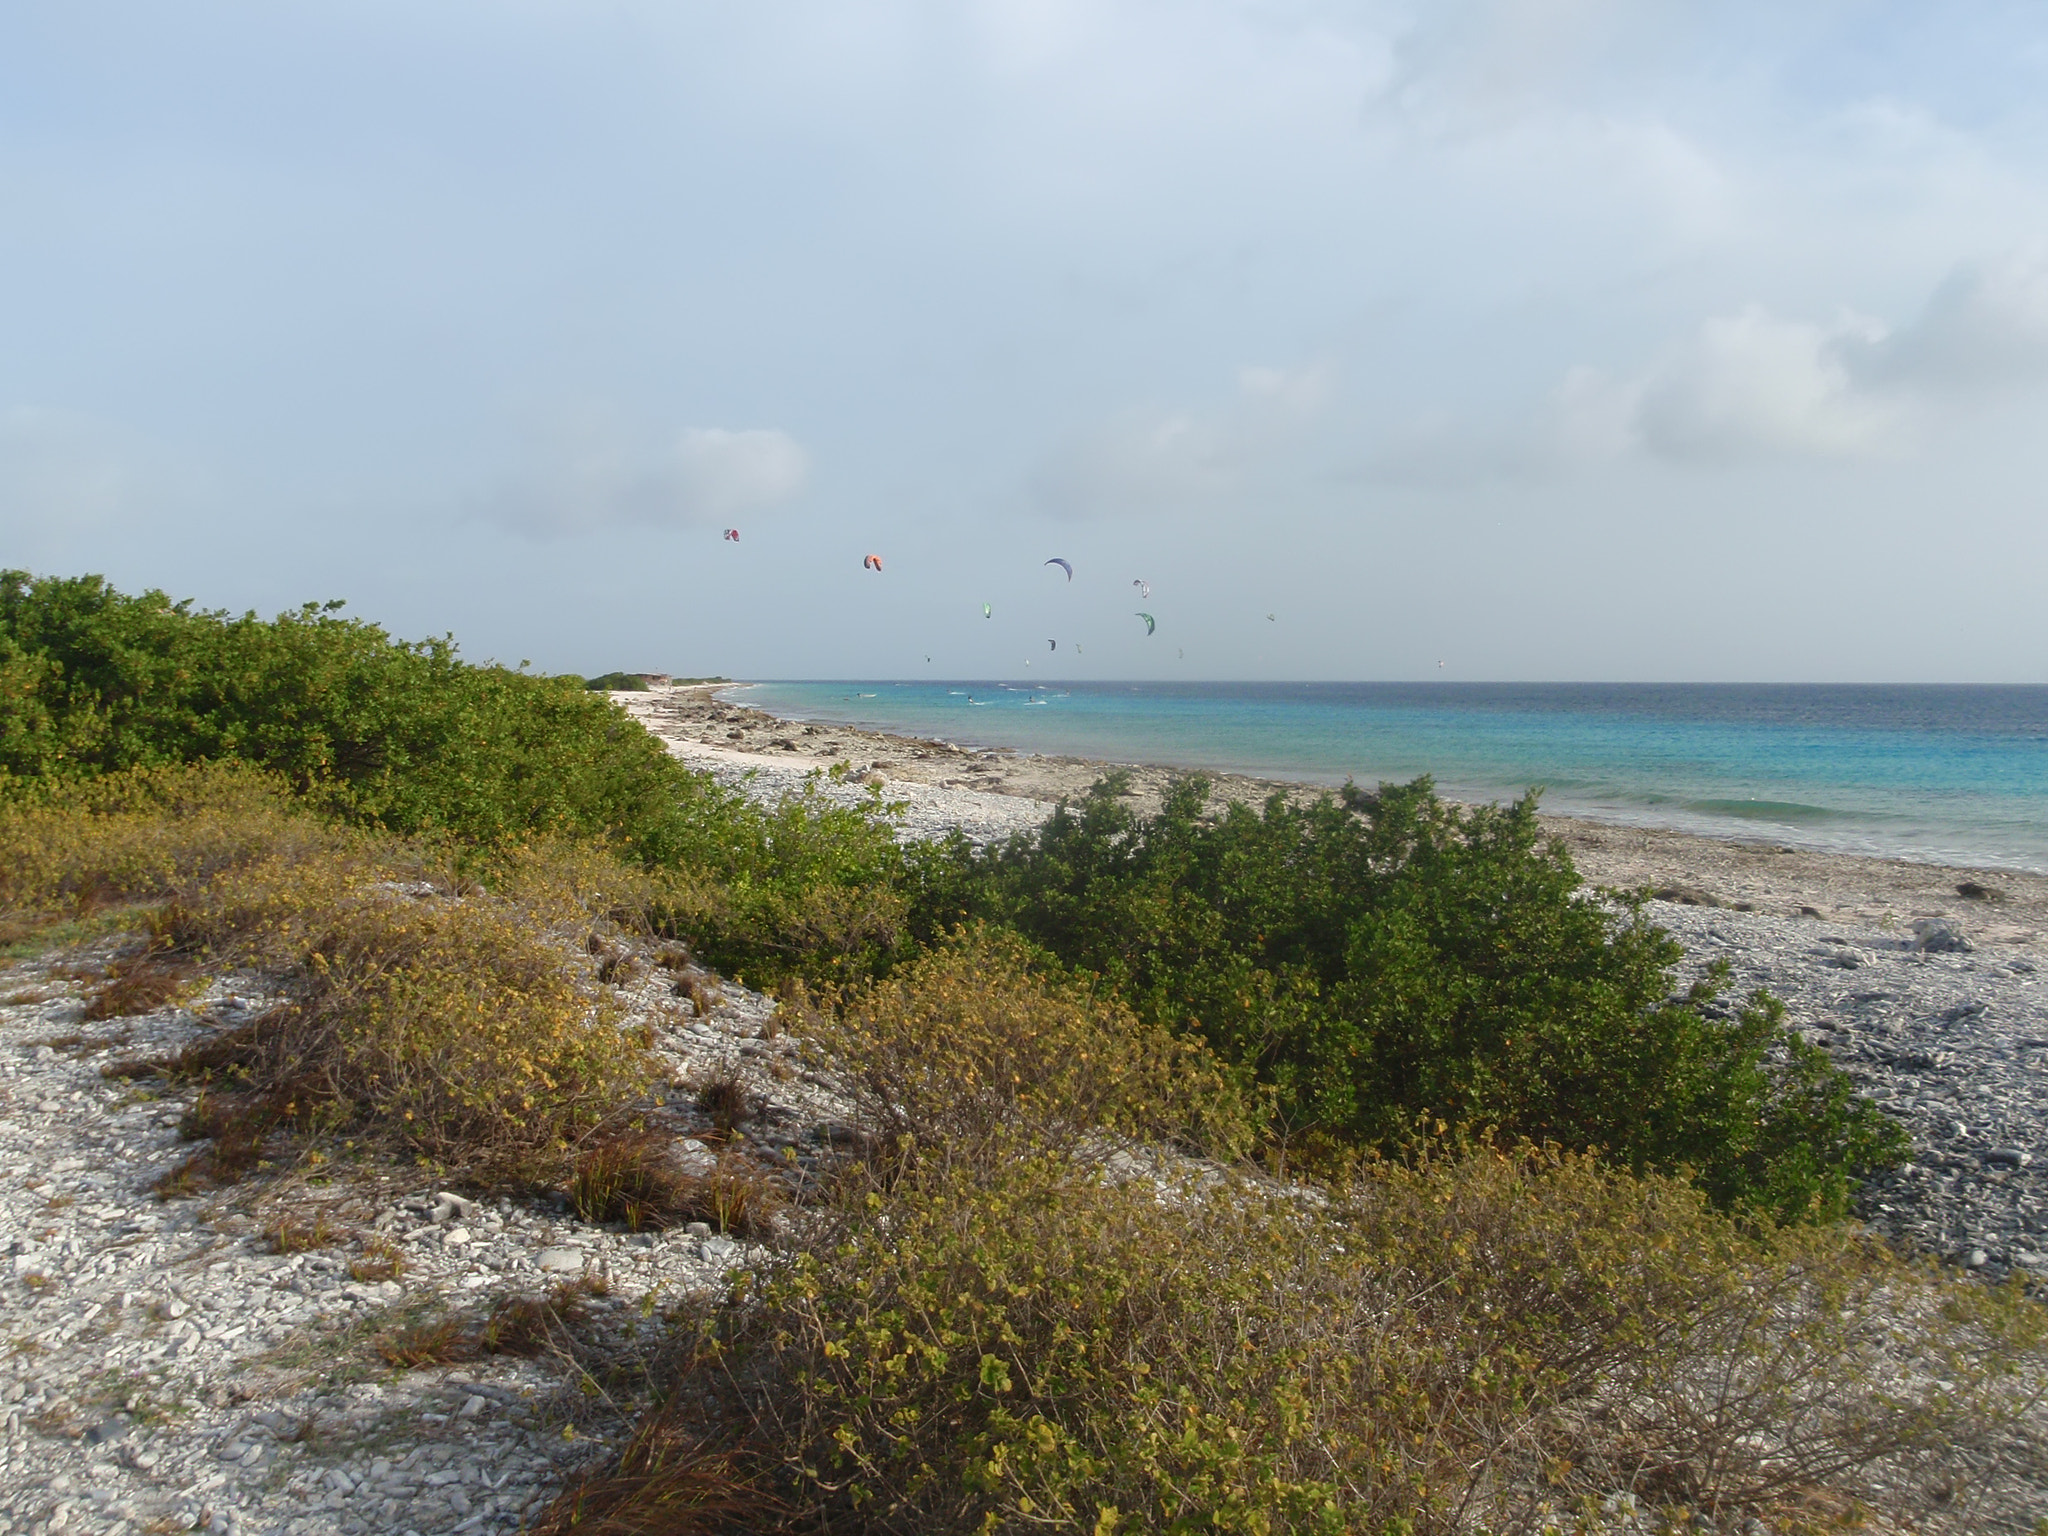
[1920, 980]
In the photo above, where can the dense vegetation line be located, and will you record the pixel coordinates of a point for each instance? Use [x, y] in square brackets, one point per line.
[1552, 1234]
[1370, 961]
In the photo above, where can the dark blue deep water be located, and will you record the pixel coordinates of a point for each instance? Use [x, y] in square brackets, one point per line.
[1948, 774]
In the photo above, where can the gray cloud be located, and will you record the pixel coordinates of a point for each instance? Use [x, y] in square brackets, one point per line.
[1752, 382]
[1985, 327]
[1749, 383]
[598, 476]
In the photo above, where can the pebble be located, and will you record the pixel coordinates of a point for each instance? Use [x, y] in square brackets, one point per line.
[1950, 1039]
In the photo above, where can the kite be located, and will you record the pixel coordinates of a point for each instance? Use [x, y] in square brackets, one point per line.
[1052, 645]
[733, 534]
[1269, 618]
[871, 563]
[1144, 590]
[1150, 623]
[1065, 565]
[987, 612]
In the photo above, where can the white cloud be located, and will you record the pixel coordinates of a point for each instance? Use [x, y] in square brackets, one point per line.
[1751, 382]
[720, 473]
[1148, 463]
[1740, 386]
[598, 477]
[1292, 391]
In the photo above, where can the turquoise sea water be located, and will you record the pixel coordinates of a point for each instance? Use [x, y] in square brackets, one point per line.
[1946, 774]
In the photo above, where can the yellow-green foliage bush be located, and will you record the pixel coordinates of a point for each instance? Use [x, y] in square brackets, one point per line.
[71, 847]
[458, 1017]
[1483, 1342]
[1706, 1364]
[980, 1037]
[463, 1023]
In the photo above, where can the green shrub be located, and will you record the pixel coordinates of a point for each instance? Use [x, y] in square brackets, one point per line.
[408, 737]
[396, 734]
[1387, 959]
[803, 887]
[1378, 962]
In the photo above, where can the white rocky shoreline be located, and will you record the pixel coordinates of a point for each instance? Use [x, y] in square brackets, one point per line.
[168, 1369]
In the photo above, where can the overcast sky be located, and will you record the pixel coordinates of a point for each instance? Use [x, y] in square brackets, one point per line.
[1542, 338]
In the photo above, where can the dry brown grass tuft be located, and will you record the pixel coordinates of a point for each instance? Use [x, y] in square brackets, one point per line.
[515, 1325]
[381, 1259]
[236, 1127]
[723, 1095]
[141, 983]
[670, 1482]
[634, 1178]
[630, 1178]
[702, 993]
[618, 968]
[521, 1325]
[429, 1341]
[533, 1325]
[303, 1234]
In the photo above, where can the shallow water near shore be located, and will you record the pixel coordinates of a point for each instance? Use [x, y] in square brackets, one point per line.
[1935, 773]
